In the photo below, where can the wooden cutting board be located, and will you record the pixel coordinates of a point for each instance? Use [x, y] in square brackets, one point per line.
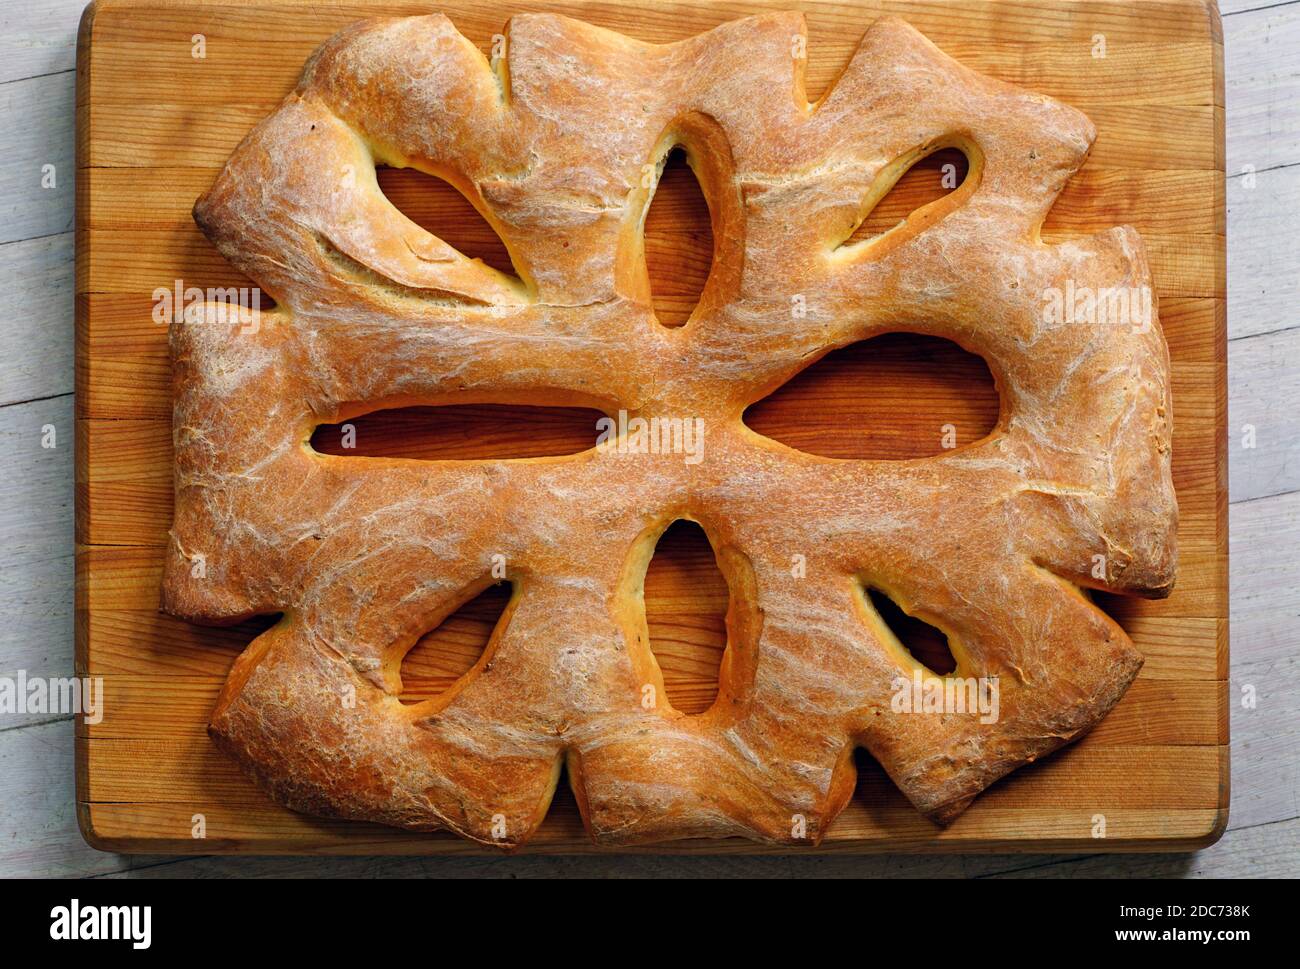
[155, 124]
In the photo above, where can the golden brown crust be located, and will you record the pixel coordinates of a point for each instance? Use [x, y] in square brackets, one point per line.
[364, 555]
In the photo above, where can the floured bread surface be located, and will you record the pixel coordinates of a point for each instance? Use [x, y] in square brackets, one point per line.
[558, 144]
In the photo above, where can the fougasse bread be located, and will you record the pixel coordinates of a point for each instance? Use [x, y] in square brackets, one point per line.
[559, 142]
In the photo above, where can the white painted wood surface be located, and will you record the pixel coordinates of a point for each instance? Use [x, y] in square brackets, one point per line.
[38, 832]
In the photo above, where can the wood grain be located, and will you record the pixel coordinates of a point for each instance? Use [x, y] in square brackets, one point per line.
[1264, 90]
[150, 143]
[38, 40]
[34, 205]
[36, 321]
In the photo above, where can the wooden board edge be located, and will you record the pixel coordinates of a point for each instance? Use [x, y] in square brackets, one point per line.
[81, 387]
[82, 142]
[1203, 827]
[1214, 24]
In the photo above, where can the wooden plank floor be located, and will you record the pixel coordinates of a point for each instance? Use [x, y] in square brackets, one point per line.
[40, 831]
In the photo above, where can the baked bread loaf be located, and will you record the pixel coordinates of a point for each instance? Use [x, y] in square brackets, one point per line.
[558, 144]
